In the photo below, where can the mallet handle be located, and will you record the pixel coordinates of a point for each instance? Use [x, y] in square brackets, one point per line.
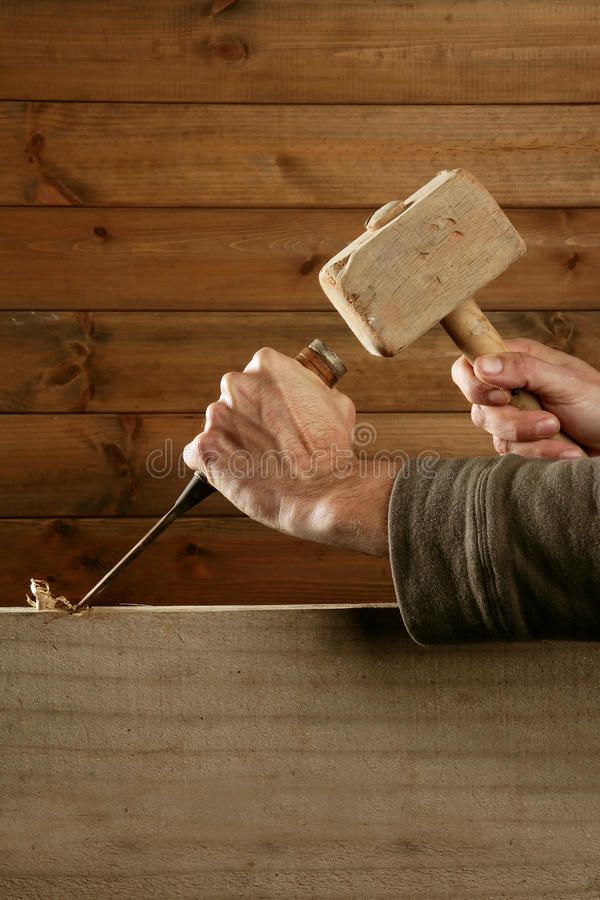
[474, 335]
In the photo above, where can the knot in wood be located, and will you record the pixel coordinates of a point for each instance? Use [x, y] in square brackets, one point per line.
[35, 145]
[227, 51]
[561, 330]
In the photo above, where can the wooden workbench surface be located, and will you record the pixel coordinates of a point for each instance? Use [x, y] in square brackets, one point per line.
[291, 753]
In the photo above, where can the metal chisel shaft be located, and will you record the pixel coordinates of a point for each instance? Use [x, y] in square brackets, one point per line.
[196, 490]
[316, 357]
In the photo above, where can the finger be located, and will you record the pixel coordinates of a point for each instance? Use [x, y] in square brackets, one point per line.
[229, 386]
[206, 455]
[553, 356]
[265, 360]
[345, 405]
[556, 384]
[510, 424]
[546, 449]
[501, 446]
[191, 454]
[476, 391]
[216, 415]
[202, 451]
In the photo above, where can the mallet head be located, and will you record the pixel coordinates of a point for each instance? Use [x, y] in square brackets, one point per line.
[418, 260]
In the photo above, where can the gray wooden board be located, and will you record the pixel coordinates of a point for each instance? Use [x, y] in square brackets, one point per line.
[291, 753]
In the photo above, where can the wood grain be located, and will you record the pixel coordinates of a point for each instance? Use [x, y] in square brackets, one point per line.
[173, 362]
[225, 152]
[248, 259]
[101, 465]
[282, 753]
[302, 51]
[251, 259]
[171, 258]
[99, 154]
[196, 561]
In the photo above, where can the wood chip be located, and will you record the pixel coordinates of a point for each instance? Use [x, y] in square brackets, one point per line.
[43, 598]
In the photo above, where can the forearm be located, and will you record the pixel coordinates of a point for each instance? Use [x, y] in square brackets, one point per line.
[505, 549]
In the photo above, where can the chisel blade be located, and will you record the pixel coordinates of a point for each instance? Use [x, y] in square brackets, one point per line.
[196, 490]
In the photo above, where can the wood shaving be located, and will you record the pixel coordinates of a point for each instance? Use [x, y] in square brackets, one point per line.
[44, 599]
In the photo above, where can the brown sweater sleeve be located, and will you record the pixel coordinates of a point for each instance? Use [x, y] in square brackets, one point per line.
[497, 549]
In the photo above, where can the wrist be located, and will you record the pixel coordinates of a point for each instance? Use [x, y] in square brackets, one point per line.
[354, 513]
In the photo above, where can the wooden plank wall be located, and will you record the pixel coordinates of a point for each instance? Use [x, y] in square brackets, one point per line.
[172, 176]
[318, 754]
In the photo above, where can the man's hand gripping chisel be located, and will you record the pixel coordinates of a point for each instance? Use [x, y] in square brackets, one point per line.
[319, 359]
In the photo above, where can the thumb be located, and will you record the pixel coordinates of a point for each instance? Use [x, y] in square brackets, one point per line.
[555, 384]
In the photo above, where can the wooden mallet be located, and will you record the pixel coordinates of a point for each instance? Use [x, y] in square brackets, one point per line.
[419, 262]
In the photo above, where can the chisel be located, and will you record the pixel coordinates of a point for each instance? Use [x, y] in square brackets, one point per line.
[317, 357]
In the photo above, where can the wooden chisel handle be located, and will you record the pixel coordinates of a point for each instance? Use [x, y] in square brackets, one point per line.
[474, 335]
[319, 359]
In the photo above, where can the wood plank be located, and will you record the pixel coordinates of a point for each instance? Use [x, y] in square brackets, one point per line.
[302, 51]
[282, 753]
[103, 154]
[197, 259]
[173, 362]
[196, 561]
[100, 465]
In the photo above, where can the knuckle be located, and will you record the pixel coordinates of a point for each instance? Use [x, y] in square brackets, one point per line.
[346, 404]
[477, 415]
[209, 414]
[464, 377]
[208, 454]
[214, 414]
[494, 422]
[456, 370]
[523, 345]
[208, 442]
[500, 445]
[193, 448]
[349, 412]
[539, 450]
[265, 357]
[524, 363]
[201, 444]
[481, 393]
[229, 382]
[505, 429]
